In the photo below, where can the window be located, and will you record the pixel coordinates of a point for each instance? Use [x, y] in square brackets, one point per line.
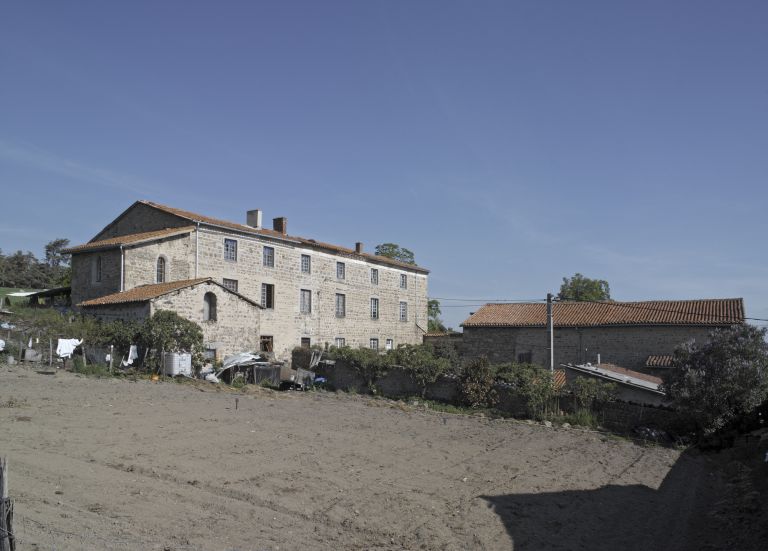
[209, 307]
[269, 257]
[340, 342]
[266, 343]
[267, 295]
[341, 305]
[403, 281]
[525, 358]
[230, 250]
[306, 301]
[305, 342]
[403, 311]
[374, 308]
[340, 270]
[160, 271]
[374, 276]
[230, 284]
[390, 344]
[374, 344]
[306, 264]
[97, 270]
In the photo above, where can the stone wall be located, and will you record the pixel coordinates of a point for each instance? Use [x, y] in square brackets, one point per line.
[627, 346]
[84, 284]
[398, 383]
[140, 218]
[287, 325]
[141, 261]
[236, 328]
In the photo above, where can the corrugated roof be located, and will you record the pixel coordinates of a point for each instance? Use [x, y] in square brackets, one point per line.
[708, 312]
[343, 251]
[664, 360]
[131, 239]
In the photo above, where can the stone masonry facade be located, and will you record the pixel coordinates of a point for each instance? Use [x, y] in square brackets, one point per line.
[626, 346]
[402, 309]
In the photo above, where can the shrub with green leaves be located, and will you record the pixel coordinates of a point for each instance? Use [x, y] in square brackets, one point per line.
[590, 393]
[421, 361]
[476, 384]
[535, 384]
[166, 331]
[716, 383]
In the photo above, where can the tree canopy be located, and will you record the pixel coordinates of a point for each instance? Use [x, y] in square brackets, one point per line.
[580, 287]
[434, 323]
[717, 382]
[395, 252]
[24, 270]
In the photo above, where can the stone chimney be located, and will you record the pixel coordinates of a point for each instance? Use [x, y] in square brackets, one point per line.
[253, 218]
[280, 225]
[358, 247]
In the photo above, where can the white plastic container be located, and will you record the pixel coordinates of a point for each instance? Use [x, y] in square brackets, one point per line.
[176, 363]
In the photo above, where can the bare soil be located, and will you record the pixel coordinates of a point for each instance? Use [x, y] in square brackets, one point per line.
[115, 464]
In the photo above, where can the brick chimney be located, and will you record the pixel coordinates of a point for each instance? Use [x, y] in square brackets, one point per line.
[253, 218]
[358, 247]
[280, 225]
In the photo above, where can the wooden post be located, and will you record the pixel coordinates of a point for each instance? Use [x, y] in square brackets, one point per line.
[111, 353]
[7, 542]
[50, 352]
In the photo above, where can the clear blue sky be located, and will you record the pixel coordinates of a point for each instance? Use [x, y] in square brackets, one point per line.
[507, 143]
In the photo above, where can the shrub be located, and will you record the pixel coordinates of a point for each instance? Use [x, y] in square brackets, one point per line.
[421, 361]
[535, 384]
[717, 383]
[166, 331]
[476, 384]
[590, 393]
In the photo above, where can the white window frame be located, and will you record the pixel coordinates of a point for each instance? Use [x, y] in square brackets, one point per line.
[264, 297]
[305, 301]
[164, 260]
[227, 283]
[389, 345]
[230, 249]
[340, 342]
[306, 264]
[268, 260]
[403, 311]
[375, 308]
[374, 276]
[341, 305]
[373, 343]
[341, 270]
[403, 281]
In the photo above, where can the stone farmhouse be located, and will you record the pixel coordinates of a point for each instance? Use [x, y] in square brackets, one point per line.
[249, 287]
[636, 335]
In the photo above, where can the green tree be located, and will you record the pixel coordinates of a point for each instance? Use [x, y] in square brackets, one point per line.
[721, 380]
[395, 252]
[54, 256]
[166, 331]
[579, 287]
[434, 323]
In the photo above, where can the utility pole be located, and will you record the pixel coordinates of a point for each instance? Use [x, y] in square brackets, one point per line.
[550, 333]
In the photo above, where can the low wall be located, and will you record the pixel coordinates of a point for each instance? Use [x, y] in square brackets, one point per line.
[399, 383]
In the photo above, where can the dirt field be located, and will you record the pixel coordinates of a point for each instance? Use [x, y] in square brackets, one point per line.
[114, 464]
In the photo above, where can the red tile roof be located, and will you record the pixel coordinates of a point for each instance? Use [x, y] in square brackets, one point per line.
[143, 293]
[131, 239]
[343, 251]
[707, 312]
[659, 361]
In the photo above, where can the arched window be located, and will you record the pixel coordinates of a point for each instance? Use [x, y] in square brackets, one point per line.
[209, 307]
[96, 274]
[160, 276]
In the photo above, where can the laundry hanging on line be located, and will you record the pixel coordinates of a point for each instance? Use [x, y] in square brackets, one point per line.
[66, 347]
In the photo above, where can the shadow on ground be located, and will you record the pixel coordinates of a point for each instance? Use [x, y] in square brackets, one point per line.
[682, 514]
